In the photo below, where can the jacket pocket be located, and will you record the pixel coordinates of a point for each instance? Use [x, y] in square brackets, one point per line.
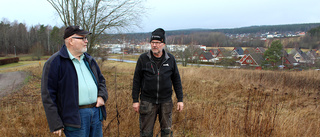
[166, 108]
[145, 108]
[150, 68]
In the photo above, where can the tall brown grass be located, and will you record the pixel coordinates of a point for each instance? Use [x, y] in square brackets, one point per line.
[218, 102]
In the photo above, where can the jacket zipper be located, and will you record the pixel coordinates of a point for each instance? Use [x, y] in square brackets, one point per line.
[158, 78]
[158, 81]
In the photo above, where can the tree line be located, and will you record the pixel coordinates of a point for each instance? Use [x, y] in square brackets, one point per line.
[17, 38]
[271, 28]
[310, 41]
[221, 37]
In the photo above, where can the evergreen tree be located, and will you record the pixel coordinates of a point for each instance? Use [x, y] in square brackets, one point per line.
[274, 53]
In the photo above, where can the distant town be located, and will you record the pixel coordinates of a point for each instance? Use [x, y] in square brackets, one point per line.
[241, 57]
[244, 47]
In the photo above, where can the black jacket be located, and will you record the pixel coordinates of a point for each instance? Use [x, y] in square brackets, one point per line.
[155, 85]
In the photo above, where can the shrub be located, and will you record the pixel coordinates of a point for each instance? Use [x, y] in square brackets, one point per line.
[9, 60]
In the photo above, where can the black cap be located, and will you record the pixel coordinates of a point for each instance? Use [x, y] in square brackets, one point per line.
[158, 34]
[74, 30]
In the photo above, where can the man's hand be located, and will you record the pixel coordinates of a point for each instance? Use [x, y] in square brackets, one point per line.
[100, 102]
[180, 106]
[58, 132]
[136, 107]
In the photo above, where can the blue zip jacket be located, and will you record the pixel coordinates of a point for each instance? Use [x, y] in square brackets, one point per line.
[59, 89]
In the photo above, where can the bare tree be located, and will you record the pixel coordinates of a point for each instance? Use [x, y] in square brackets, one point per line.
[37, 51]
[190, 54]
[22, 37]
[99, 16]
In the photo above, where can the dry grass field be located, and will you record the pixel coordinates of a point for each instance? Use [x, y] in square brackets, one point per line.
[218, 102]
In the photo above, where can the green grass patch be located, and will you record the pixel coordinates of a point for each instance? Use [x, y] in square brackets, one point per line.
[20, 63]
[30, 58]
[26, 57]
[27, 79]
[3, 57]
[11, 65]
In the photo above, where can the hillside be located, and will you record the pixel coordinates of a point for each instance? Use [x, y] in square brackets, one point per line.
[142, 37]
[218, 102]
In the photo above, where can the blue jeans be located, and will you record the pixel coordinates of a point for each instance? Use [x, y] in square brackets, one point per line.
[91, 124]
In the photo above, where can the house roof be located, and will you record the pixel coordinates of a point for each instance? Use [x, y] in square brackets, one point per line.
[295, 51]
[290, 59]
[285, 53]
[207, 55]
[304, 55]
[257, 57]
[224, 52]
[262, 50]
[214, 51]
[239, 50]
[220, 49]
[249, 50]
[312, 54]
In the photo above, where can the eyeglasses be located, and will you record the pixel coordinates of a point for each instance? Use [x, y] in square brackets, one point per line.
[156, 43]
[83, 38]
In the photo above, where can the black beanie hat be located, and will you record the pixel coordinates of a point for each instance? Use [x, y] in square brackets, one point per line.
[69, 31]
[158, 34]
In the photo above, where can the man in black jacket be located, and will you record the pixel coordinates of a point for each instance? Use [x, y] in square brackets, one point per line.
[155, 74]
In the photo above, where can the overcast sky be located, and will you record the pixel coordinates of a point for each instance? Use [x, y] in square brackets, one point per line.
[185, 14]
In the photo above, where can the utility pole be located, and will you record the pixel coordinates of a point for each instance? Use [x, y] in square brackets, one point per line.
[15, 54]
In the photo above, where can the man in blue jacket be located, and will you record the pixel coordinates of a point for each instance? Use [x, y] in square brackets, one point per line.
[155, 74]
[73, 90]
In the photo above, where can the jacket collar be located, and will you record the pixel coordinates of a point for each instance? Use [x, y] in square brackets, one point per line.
[64, 53]
[166, 56]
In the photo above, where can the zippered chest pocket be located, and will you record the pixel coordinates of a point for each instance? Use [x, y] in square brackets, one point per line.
[150, 69]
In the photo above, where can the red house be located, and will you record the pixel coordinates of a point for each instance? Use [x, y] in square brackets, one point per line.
[214, 52]
[242, 59]
[252, 59]
[206, 56]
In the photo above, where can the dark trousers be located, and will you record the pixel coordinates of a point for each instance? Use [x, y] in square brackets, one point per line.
[148, 116]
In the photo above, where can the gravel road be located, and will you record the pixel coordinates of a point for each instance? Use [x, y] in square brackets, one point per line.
[10, 81]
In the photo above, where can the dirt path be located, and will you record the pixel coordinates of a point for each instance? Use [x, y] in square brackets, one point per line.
[10, 81]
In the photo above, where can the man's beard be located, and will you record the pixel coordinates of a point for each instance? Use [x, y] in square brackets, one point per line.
[157, 52]
[83, 50]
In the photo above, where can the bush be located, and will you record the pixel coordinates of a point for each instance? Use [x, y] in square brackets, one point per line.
[9, 60]
[37, 51]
